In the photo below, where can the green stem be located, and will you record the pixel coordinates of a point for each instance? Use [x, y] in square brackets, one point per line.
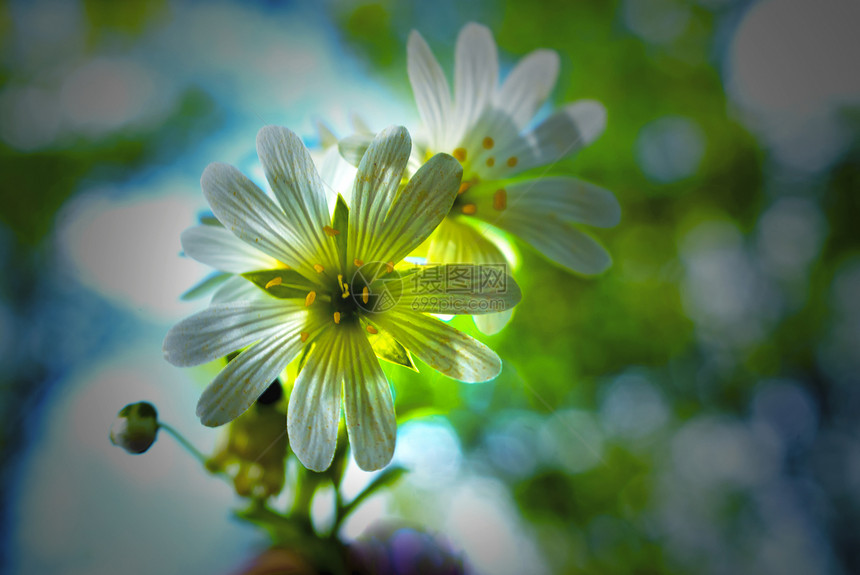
[196, 453]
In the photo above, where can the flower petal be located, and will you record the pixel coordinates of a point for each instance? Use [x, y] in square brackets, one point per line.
[453, 242]
[493, 323]
[559, 241]
[420, 207]
[249, 213]
[368, 404]
[244, 378]
[468, 289]
[565, 132]
[456, 242]
[298, 188]
[379, 175]
[221, 249]
[314, 409]
[224, 328]
[440, 346]
[352, 148]
[337, 176]
[432, 94]
[238, 288]
[527, 86]
[568, 199]
[476, 74]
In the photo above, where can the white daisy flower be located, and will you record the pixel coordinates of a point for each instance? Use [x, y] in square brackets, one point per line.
[207, 241]
[309, 307]
[488, 127]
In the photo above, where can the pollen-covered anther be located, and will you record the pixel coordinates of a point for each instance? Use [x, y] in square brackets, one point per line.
[330, 231]
[372, 330]
[357, 262]
[500, 199]
[304, 335]
[460, 154]
[309, 299]
[318, 268]
[512, 161]
[488, 143]
[470, 209]
[337, 317]
[365, 294]
[274, 282]
[389, 267]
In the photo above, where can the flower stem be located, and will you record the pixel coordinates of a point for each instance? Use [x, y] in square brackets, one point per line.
[189, 447]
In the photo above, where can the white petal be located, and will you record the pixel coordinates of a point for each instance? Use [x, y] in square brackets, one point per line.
[225, 328]
[462, 289]
[432, 94]
[475, 77]
[559, 241]
[420, 207]
[565, 132]
[527, 86]
[567, 199]
[249, 213]
[377, 181]
[221, 249]
[238, 288]
[352, 148]
[369, 407]
[455, 242]
[244, 378]
[440, 346]
[493, 323]
[314, 409]
[298, 188]
[337, 176]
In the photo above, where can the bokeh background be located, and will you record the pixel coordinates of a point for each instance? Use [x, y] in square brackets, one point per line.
[693, 410]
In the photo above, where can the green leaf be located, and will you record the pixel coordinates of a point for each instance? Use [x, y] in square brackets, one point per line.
[205, 286]
[281, 283]
[389, 349]
[340, 222]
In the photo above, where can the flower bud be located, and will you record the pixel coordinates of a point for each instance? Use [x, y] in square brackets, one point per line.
[135, 427]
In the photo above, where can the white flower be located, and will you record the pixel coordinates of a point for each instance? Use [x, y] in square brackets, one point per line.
[310, 307]
[487, 126]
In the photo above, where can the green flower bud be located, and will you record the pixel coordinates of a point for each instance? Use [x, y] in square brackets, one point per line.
[135, 427]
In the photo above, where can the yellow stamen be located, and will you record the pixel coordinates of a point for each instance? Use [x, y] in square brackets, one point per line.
[358, 263]
[488, 143]
[319, 269]
[337, 317]
[309, 299]
[500, 199]
[491, 162]
[365, 294]
[512, 161]
[345, 293]
[470, 209]
[389, 266]
[274, 282]
[305, 336]
[330, 231]
[460, 154]
[371, 329]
